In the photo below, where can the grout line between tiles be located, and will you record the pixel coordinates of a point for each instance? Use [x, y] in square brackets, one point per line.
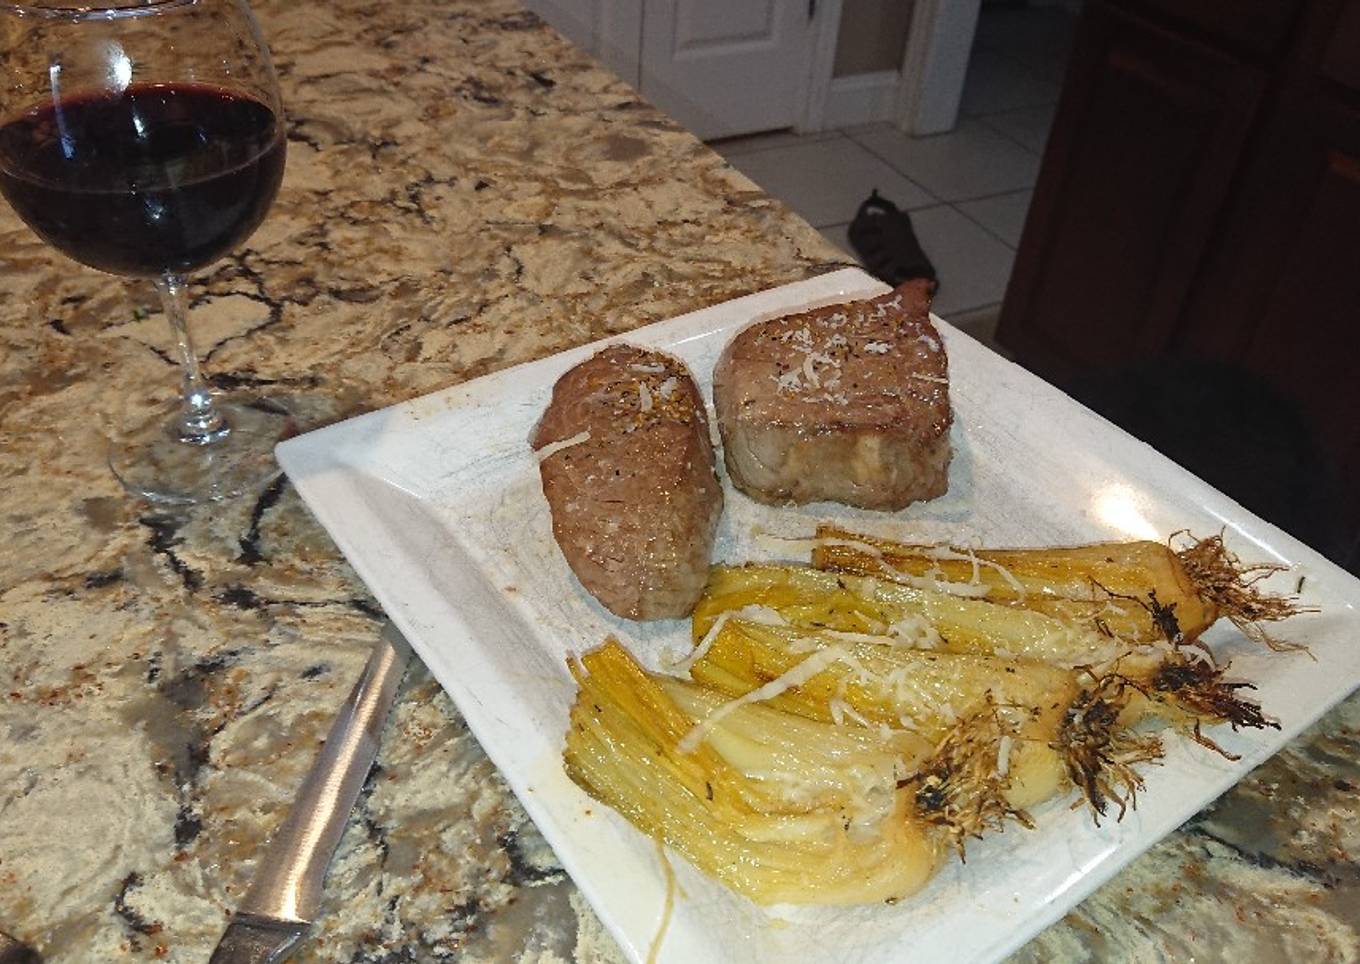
[970, 311]
[947, 201]
[988, 197]
[820, 137]
[982, 118]
[983, 115]
[984, 227]
[956, 312]
[934, 198]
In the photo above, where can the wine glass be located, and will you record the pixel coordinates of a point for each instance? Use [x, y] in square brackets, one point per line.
[145, 138]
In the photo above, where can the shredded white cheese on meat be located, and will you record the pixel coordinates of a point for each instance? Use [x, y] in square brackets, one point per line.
[644, 397]
[552, 448]
[810, 373]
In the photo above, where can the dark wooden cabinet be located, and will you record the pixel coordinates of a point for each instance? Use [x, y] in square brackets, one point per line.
[1200, 200]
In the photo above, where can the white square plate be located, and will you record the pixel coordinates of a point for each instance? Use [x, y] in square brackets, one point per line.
[436, 503]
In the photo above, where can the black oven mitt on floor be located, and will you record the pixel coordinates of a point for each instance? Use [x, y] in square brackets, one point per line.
[883, 238]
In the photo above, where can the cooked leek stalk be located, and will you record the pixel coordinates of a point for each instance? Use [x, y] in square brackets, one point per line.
[812, 599]
[1138, 591]
[805, 763]
[924, 692]
[754, 836]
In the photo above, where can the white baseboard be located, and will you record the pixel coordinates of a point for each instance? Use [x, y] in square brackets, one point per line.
[861, 99]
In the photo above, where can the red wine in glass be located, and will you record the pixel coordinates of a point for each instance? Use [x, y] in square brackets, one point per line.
[145, 138]
[151, 179]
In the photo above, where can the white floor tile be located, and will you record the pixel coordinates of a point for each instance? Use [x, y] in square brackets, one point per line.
[995, 83]
[973, 267]
[1003, 215]
[825, 181]
[1028, 126]
[839, 235]
[981, 324]
[970, 161]
[1050, 67]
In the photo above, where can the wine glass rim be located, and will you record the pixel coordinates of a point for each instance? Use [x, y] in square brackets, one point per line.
[85, 11]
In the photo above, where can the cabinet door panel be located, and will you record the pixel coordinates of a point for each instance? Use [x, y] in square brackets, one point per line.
[1282, 294]
[1147, 138]
[1252, 27]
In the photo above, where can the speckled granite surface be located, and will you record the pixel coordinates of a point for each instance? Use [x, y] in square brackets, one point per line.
[464, 191]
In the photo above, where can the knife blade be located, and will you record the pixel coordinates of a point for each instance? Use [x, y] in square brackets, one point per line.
[285, 895]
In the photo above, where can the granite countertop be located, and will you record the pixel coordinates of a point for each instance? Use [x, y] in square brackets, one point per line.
[464, 191]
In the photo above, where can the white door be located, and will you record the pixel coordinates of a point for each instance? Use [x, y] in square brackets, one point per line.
[727, 67]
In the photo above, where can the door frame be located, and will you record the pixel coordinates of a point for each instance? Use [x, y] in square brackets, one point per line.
[827, 23]
[921, 97]
[939, 46]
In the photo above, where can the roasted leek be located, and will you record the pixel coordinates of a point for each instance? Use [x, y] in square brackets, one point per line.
[761, 838]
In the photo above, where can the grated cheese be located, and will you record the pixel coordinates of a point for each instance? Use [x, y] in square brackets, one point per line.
[810, 373]
[705, 644]
[644, 397]
[878, 347]
[914, 630]
[552, 448]
[667, 907]
[795, 677]
[754, 613]
[931, 581]
[1003, 756]
[968, 555]
[667, 388]
[841, 711]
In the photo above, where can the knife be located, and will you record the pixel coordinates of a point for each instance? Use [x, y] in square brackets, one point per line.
[285, 895]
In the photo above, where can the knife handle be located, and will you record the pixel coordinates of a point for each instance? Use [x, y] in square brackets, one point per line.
[15, 951]
[287, 884]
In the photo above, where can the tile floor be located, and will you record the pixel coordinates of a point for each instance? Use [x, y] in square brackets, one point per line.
[968, 190]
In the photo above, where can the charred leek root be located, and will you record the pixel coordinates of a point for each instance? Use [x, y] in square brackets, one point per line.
[1136, 591]
[1100, 753]
[1191, 692]
[1232, 589]
[861, 843]
[961, 789]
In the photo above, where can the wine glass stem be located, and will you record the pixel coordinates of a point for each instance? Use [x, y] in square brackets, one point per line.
[199, 423]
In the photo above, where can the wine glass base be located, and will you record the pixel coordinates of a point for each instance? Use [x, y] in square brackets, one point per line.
[153, 464]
